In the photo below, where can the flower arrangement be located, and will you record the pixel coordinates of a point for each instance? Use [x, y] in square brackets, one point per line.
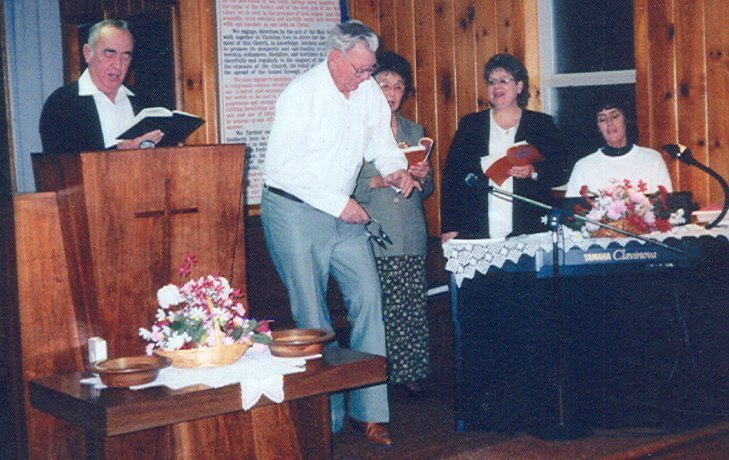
[203, 312]
[628, 208]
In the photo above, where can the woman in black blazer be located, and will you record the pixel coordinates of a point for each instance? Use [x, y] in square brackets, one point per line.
[464, 209]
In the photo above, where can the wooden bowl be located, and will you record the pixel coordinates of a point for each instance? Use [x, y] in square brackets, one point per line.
[294, 343]
[130, 370]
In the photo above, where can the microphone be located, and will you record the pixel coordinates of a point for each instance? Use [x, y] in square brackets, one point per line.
[473, 180]
[683, 154]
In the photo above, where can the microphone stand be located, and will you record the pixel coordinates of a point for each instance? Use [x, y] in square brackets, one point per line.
[563, 430]
[683, 154]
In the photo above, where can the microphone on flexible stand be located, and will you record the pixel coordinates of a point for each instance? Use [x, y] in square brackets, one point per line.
[473, 180]
[683, 154]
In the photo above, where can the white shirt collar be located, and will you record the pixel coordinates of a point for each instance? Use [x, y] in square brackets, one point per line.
[86, 86]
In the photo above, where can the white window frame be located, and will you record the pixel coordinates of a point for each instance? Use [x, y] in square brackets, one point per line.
[550, 80]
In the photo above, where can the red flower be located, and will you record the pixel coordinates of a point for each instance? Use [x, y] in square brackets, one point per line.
[186, 266]
[264, 325]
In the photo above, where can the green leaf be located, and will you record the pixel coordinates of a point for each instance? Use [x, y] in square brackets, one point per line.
[261, 338]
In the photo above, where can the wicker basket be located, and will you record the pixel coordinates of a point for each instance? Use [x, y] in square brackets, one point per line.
[220, 355]
[622, 224]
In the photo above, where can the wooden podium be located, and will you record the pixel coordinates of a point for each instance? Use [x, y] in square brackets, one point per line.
[128, 219]
[106, 231]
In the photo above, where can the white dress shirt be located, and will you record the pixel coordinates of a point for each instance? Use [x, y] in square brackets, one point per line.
[319, 139]
[501, 208]
[115, 117]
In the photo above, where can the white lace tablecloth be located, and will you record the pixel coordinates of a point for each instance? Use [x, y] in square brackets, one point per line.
[467, 257]
[258, 373]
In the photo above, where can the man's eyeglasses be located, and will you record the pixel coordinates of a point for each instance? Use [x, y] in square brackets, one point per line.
[381, 237]
[500, 81]
[359, 72]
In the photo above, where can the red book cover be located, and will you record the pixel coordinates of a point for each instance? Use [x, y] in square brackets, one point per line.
[520, 154]
[420, 152]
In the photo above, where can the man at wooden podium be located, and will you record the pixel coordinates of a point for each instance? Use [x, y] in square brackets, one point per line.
[91, 112]
[327, 121]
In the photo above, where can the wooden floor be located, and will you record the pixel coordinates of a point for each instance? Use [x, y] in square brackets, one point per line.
[423, 427]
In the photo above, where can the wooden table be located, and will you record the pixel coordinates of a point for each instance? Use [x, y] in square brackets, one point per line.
[199, 422]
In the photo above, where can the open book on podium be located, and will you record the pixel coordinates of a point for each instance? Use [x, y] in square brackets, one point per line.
[519, 154]
[418, 153]
[175, 124]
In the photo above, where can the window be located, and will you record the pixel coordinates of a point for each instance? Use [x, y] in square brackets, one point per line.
[586, 52]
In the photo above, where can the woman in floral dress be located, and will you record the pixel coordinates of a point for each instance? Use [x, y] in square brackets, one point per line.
[401, 264]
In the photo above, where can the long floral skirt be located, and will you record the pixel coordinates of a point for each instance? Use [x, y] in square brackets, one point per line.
[404, 307]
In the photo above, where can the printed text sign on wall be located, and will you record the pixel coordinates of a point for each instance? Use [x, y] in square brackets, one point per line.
[262, 45]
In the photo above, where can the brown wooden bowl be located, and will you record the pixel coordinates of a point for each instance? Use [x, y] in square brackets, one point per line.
[294, 343]
[129, 370]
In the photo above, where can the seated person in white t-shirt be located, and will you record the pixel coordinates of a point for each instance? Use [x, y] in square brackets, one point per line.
[90, 113]
[619, 158]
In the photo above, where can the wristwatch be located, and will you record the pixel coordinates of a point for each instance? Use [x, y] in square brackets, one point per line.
[535, 175]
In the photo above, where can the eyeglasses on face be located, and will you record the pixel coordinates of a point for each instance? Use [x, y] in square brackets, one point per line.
[499, 81]
[359, 72]
[381, 237]
[397, 87]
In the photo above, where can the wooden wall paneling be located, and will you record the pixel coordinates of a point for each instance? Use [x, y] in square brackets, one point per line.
[661, 79]
[464, 13]
[445, 73]
[405, 38]
[71, 54]
[485, 28]
[198, 55]
[531, 52]
[510, 34]
[717, 90]
[691, 93]
[644, 92]
[426, 98]
[367, 11]
[389, 22]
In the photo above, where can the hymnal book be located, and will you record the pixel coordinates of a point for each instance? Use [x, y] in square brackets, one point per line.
[420, 152]
[175, 124]
[519, 154]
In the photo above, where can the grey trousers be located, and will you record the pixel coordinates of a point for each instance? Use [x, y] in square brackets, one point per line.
[306, 246]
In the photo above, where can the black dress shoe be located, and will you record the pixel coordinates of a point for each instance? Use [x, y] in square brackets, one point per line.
[376, 433]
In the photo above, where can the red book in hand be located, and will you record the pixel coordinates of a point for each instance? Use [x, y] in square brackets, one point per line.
[420, 152]
[520, 154]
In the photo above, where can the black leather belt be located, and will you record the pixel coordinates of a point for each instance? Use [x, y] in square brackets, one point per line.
[283, 193]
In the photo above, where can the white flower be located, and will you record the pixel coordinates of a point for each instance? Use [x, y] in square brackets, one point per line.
[161, 315]
[169, 295]
[226, 291]
[677, 218]
[197, 314]
[176, 341]
[145, 333]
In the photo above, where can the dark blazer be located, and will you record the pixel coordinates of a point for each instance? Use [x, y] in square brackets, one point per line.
[70, 123]
[465, 209]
